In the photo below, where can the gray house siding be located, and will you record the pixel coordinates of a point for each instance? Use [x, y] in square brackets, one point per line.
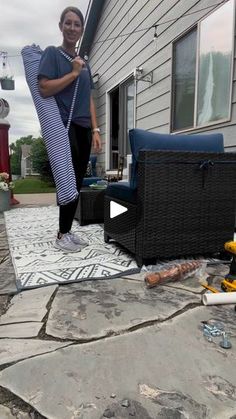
[123, 40]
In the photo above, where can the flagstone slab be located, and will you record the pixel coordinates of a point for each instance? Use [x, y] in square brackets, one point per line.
[7, 276]
[3, 240]
[3, 232]
[28, 306]
[5, 413]
[100, 308]
[139, 276]
[3, 255]
[4, 301]
[12, 350]
[20, 330]
[191, 284]
[164, 371]
[6, 265]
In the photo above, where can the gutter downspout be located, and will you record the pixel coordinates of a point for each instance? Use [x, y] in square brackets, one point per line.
[135, 96]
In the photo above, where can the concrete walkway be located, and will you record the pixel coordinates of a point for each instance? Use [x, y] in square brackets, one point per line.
[38, 199]
[112, 349]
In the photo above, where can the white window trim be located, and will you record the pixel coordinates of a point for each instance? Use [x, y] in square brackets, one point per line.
[200, 128]
[108, 103]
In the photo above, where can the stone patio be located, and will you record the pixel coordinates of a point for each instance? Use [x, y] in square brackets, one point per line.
[112, 349]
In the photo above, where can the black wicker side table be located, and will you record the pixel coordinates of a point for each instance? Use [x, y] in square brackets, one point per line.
[90, 208]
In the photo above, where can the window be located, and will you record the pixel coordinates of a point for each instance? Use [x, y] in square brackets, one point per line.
[202, 71]
[184, 81]
[121, 120]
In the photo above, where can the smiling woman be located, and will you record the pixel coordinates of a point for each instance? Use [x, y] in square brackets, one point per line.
[71, 25]
[38, 22]
[66, 78]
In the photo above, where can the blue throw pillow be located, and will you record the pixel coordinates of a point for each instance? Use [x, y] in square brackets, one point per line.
[141, 139]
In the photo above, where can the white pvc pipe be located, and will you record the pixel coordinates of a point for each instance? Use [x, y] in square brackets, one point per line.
[219, 298]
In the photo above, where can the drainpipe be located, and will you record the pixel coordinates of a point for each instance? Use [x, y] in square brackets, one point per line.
[135, 96]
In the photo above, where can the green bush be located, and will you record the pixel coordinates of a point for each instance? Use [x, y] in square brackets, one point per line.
[40, 162]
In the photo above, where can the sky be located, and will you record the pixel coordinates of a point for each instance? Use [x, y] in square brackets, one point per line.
[24, 22]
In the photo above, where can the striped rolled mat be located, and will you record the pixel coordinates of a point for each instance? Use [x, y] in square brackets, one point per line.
[54, 132]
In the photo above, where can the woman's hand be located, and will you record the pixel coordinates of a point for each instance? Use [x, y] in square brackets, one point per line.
[52, 87]
[77, 65]
[96, 142]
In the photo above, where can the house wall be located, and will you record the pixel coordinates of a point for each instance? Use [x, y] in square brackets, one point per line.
[127, 26]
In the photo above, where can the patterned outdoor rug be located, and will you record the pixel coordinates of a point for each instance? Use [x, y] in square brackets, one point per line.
[31, 234]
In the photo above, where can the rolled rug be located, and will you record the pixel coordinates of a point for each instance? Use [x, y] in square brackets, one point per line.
[54, 132]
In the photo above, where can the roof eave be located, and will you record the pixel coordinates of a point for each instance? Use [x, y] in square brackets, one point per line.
[92, 18]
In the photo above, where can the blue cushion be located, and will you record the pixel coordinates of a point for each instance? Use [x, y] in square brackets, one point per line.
[141, 139]
[122, 191]
[89, 180]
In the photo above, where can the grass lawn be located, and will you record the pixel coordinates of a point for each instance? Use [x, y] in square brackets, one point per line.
[32, 185]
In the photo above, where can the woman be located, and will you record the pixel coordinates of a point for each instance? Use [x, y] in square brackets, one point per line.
[59, 70]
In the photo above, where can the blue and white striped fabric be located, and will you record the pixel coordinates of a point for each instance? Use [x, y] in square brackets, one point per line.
[54, 133]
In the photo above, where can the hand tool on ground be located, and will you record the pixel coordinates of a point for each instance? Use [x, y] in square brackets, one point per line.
[209, 287]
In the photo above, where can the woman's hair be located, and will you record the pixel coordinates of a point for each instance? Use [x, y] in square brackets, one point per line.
[74, 10]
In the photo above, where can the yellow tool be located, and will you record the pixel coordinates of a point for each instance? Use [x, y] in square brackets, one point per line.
[209, 287]
[229, 283]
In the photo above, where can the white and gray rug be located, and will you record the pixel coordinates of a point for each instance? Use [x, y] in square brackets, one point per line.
[31, 234]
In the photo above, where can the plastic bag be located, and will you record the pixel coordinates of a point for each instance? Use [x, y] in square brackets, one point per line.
[174, 271]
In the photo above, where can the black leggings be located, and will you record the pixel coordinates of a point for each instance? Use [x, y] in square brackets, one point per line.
[80, 143]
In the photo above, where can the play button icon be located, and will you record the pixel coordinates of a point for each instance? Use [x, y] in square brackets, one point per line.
[120, 217]
[116, 209]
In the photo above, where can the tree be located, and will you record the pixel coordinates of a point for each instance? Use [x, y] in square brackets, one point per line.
[40, 162]
[16, 153]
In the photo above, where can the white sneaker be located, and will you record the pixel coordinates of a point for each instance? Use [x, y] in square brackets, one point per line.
[77, 240]
[66, 244]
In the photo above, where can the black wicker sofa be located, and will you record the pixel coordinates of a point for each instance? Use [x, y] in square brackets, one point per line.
[179, 202]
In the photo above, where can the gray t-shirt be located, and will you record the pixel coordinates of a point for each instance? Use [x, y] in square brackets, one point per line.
[54, 65]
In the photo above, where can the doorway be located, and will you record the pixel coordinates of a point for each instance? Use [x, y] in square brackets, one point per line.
[122, 111]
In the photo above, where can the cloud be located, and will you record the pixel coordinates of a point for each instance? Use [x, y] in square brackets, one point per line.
[23, 22]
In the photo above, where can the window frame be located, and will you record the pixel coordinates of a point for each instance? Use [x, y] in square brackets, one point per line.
[179, 37]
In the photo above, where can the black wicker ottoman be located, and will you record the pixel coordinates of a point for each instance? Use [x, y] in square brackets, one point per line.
[90, 208]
